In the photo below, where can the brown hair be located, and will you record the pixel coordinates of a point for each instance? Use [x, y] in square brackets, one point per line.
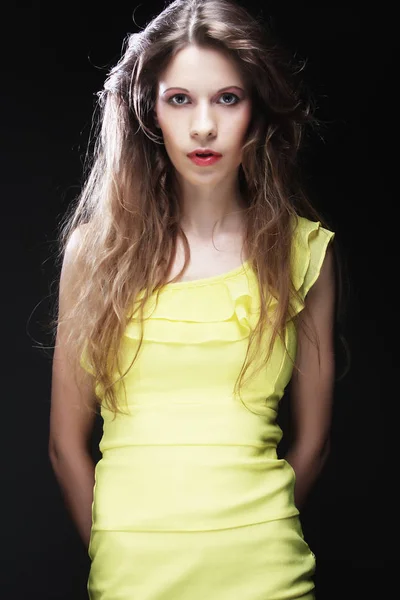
[128, 209]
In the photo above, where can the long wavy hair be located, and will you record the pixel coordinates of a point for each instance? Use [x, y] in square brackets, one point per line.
[128, 211]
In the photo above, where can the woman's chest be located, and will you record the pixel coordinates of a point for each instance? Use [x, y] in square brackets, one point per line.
[207, 260]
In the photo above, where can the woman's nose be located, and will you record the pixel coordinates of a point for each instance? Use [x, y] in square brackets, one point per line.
[203, 123]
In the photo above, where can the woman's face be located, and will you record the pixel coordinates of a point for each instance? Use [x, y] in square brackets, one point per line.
[202, 101]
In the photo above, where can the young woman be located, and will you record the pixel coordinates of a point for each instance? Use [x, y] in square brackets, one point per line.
[193, 289]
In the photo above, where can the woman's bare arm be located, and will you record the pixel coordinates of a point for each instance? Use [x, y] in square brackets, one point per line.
[312, 386]
[71, 422]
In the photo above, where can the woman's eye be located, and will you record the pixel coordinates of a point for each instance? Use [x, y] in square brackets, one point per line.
[175, 96]
[236, 99]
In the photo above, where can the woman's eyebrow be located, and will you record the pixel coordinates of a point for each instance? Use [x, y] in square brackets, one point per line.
[228, 87]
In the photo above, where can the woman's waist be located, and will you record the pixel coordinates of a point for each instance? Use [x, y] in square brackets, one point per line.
[190, 424]
[191, 487]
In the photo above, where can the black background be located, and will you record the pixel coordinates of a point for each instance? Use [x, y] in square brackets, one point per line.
[54, 59]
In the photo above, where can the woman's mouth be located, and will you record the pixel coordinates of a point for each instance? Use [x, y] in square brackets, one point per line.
[205, 160]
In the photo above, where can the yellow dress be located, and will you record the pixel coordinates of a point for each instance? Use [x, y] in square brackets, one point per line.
[190, 499]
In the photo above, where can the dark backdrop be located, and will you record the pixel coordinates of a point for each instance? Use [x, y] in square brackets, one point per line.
[54, 59]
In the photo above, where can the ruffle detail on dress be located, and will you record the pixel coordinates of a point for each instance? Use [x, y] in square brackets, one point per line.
[310, 242]
[225, 308]
[214, 312]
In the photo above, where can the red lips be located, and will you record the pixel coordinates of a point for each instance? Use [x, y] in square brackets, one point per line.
[203, 151]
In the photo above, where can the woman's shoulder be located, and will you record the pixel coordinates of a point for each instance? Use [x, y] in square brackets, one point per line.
[310, 244]
[304, 227]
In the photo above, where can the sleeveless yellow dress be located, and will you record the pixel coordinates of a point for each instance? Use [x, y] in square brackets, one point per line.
[190, 499]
